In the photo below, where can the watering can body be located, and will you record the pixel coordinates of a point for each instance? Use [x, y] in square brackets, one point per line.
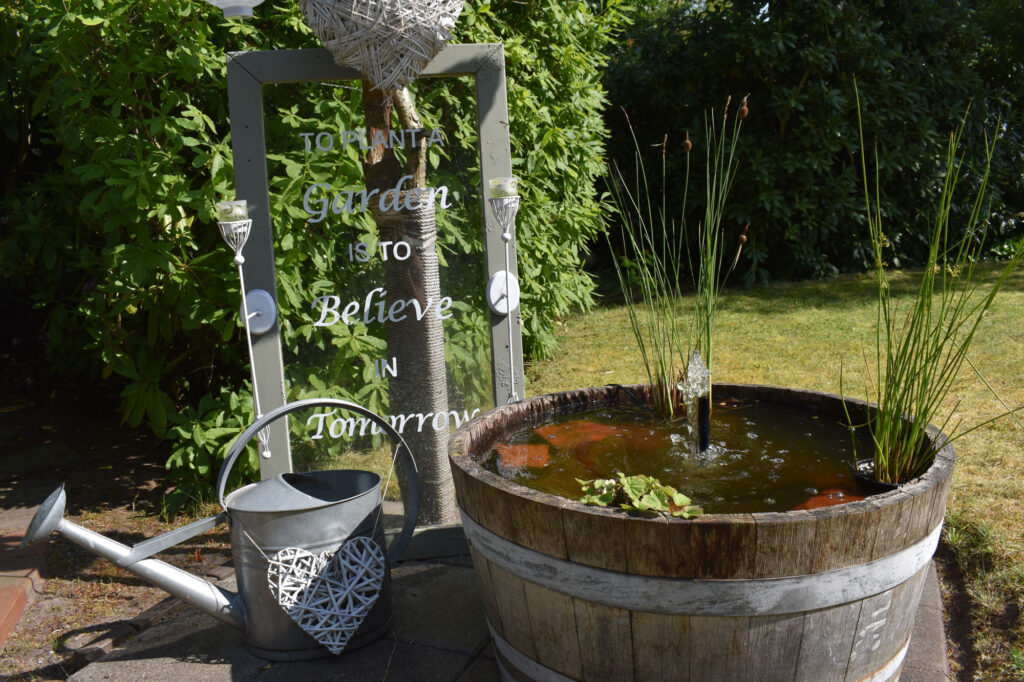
[315, 511]
[270, 516]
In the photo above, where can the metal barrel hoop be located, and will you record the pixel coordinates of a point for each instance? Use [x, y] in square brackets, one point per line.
[412, 472]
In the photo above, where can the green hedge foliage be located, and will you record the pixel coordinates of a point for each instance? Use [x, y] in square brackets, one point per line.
[916, 64]
[115, 116]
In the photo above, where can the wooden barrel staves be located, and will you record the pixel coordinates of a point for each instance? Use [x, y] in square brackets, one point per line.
[583, 593]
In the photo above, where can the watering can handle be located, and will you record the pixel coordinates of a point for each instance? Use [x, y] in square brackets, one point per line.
[412, 505]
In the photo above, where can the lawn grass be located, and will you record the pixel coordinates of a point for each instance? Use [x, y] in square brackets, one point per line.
[800, 335]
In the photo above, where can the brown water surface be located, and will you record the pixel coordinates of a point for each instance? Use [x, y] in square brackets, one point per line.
[763, 456]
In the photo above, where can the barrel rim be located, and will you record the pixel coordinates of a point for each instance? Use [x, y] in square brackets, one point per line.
[568, 402]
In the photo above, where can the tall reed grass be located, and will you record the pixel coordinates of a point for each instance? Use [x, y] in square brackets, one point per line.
[918, 354]
[655, 249]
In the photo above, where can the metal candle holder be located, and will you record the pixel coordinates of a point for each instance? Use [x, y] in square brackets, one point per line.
[236, 234]
[503, 287]
[505, 210]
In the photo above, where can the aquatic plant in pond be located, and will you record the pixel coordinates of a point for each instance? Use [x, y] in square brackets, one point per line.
[638, 493]
[918, 356]
[654, 250]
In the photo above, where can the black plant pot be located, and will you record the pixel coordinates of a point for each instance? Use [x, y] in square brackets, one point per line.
[864, 472]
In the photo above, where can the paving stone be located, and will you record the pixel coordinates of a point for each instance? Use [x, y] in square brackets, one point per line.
[22, 563]
[927, 658]
[220, 572]
[439, 635]
[481, 670]
[156, 613]
[440, 606]
[436, 541]
[386, 658]
[91, 647]
[464, 560]
[14, 522]
[191, 646]
[931, 594]
[20, 571]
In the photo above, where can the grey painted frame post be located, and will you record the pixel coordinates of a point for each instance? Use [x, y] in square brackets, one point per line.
[248, 147]
[247, 73]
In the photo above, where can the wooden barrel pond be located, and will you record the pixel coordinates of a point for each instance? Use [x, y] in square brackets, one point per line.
[574, 592]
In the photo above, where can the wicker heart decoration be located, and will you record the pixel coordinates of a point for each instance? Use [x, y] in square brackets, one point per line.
[390, 41]
[328, 595]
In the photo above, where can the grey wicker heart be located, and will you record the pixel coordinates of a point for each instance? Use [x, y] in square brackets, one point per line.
[390, 41]
[328, 595]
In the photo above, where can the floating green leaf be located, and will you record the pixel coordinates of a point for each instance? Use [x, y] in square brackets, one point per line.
[640, 493]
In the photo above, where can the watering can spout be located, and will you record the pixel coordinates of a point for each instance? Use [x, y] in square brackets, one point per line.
[205, 596]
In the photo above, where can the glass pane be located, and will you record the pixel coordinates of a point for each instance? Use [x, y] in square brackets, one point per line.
[381, 291]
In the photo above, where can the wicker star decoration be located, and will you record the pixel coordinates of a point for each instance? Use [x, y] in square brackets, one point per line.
[390, 41]
[329, 595]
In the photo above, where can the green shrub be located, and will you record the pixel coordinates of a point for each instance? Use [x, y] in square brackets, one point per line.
[116, 117]
[914, 63]
[1000, 64]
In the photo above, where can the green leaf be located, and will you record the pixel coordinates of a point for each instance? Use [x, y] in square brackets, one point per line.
[680, 500]
[656, 500]
[634, 486]
[688, 512]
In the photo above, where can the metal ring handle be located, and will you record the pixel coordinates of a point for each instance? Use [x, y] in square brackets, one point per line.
[412, 505]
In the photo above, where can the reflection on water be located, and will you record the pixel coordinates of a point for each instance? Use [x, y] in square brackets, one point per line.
[763, 456]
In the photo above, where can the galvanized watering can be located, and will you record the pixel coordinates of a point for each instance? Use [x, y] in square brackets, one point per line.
[298, 541]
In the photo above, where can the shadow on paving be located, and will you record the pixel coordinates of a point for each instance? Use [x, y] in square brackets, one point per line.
[438, 633]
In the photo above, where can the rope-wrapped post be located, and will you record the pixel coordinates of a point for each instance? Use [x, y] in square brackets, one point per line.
[417, 349]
